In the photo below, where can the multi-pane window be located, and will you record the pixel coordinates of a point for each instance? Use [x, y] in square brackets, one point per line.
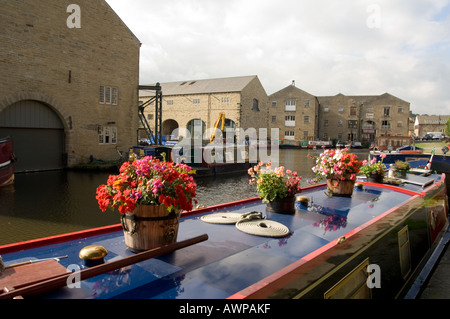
[290, 105]
[225, 100]
[107, 135]
[386, 111]
[352, 124]
[289, 134]
[196, 101]
[108, 95]
[306, 119]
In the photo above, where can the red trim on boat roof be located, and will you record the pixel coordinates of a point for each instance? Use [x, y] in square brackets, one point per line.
[269, 285]
[102, 230]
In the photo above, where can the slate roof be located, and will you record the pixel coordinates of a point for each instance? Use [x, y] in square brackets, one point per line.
[221, 85]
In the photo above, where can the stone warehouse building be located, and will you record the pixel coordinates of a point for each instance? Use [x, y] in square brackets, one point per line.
[68, 83]
[430, 123]
[295, 113]
[196, 105]
[362, 118]
[298, 115]
[302, 116]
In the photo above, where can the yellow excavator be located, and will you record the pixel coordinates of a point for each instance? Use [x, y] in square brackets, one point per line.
[221, 118]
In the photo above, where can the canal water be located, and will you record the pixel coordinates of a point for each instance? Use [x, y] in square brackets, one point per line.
[56, 202]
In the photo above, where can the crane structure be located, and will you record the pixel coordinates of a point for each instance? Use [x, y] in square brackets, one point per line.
[155, 137]
[221, 118]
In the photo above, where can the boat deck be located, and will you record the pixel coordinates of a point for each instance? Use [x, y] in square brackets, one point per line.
[230, 261]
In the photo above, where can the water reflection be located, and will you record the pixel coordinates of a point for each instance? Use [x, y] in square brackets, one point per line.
[49, 203]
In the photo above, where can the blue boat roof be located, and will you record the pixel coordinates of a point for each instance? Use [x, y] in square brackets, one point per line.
[230, 260]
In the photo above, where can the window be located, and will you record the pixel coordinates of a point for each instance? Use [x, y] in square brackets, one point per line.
[353, 111]
[290, 118]
[169, 102]
[306, 103]
[385, 125]
[274, 103]
[386, 111]
[305, 135]
[274, 118]
[255, 105]
[341, 109]
[325, 123]
[399, 124]
[290, 105]
[306, 119]
[196, 101]
[107, 135]
[108, 95]
[288, 134]
[225, 100]
[326, 109]
[340, 123]
[400, 109]
[352, 124]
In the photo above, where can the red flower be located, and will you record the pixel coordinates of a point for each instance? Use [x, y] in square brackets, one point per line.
[148, 181]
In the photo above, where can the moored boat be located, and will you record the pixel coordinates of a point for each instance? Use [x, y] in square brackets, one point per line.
[7, 159]
[370, 245]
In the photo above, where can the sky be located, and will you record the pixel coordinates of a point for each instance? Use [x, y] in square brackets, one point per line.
[353, 47]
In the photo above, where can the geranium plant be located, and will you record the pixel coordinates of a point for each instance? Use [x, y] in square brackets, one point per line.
[149, 181]
[337, 164]
[274, 182]
[373, 167]
[401, 166]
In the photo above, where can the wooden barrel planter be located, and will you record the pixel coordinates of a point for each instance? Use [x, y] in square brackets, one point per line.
[339, 187]
[150, 226]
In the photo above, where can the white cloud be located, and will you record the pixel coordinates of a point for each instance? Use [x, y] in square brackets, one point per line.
[328, 47]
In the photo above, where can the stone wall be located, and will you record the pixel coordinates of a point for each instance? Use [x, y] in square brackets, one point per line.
[51, 56]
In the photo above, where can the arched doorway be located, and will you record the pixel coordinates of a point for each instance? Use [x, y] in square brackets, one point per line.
[38, 134]
[197, 128]
[170, 129]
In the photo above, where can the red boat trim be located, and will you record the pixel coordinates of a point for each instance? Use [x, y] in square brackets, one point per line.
[58, 239]
[394, 188]
[267, 286]
[35, 243]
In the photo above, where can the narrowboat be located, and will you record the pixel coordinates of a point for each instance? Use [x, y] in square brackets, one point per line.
[7, 159]
[372, 244]
[206, 160]
[434, 162]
